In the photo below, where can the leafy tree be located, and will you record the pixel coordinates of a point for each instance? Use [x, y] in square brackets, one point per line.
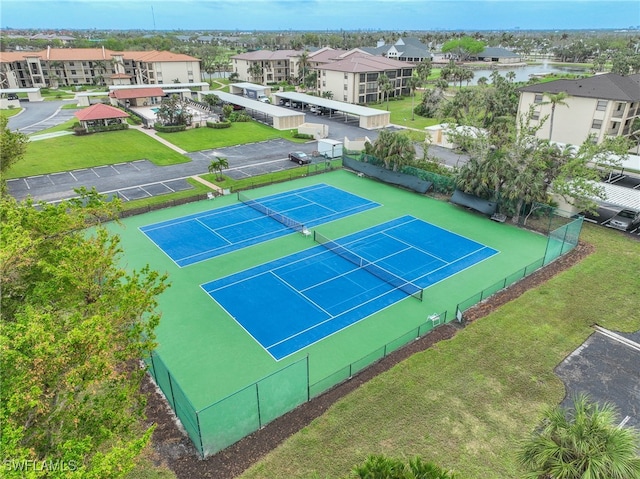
[583, 443]
[12, 148]
[234, 77]
[173, 111]
[394, 149]
[430, 103]
[327, 94]
[520, 168]
[311, 80]
[423, 70]
[464, 47]
[218, 165]
[74, 327]
[212, 100]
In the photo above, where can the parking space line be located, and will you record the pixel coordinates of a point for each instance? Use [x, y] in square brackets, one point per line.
[73, 176]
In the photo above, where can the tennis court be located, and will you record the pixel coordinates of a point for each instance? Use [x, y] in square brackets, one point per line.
[198, 237]
[295, 301]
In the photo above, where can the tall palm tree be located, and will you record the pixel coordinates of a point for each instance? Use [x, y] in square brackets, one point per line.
[413, 83]
[385, 87]
[555, 99]
[255, 71]
[303, 66]
[217, 165]
[585, 443]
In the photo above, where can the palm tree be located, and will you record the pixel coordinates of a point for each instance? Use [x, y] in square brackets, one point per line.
[303, 66]
[255, 71]
[554, 100]
[217, 165]
[413, 83]
[385, 87]
[585, 443]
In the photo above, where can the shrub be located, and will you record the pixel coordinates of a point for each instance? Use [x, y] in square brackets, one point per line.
[305, 136]
[169, 129]
[219, 125]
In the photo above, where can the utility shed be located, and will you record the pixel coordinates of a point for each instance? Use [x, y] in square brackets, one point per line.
[330, 148]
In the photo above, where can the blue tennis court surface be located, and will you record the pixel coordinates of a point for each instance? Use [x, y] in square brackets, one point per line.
[193, 238]
[295, 301]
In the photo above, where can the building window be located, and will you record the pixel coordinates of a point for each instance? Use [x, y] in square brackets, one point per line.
[535, 115]
[602, 105]
[362, 77]
[73, 72]
[538, 98]
[596, 124]
[346, 76]
[346, 87]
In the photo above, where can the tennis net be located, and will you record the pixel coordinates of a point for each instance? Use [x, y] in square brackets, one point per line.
[285, 220]
[387, 276]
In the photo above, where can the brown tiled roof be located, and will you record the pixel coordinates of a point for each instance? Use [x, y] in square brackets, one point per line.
[128, 93]
[609, 86]
[362, 63]
[157, 56]
[95, 54]
[100, 111]
[326, 55]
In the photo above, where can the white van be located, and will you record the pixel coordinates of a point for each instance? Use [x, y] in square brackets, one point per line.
[264, 99]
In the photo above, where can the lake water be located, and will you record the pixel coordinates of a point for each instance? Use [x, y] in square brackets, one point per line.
[523, 73]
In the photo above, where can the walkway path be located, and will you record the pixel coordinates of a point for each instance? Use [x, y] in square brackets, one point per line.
[154, 134]
[208, 184]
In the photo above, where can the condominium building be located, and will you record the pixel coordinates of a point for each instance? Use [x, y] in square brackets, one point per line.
[350, 76]
[354, 77]
[600, 106]
[62, 67]
[265, 66]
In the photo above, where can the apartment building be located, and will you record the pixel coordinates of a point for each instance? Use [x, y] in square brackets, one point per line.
[266, 66]
[354, 77]
[63, 67]
[350, 76]
[600, 106]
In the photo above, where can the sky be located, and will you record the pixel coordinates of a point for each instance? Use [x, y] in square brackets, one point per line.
[321, 15]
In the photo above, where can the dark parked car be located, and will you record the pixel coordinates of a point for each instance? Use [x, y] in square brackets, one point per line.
[625, 220]
[299, 157]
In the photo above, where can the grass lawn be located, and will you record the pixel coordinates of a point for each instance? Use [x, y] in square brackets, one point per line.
[401, 112]
[10, 112]
[467, 402]
[244, 132]
[72, 152]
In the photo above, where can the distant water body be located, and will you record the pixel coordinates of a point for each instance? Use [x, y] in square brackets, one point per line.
[523, 73]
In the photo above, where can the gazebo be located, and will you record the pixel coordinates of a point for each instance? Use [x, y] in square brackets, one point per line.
[101, 116]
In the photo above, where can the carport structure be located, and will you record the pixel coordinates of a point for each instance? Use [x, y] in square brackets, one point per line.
[368, 118]
[9, 96]
[279, 118]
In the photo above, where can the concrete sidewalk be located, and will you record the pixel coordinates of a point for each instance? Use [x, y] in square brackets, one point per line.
[153, 134]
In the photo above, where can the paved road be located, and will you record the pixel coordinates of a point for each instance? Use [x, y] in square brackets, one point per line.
[40, 115]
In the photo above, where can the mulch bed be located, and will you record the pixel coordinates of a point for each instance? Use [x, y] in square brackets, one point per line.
[174, 449]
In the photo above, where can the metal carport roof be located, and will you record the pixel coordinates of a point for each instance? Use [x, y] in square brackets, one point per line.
[369, 117]
[283, 118]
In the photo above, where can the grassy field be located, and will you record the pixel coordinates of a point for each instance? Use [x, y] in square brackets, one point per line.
[466, 402]
[244, 132]
[72, 152]
[10, 112]
[401, 112]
